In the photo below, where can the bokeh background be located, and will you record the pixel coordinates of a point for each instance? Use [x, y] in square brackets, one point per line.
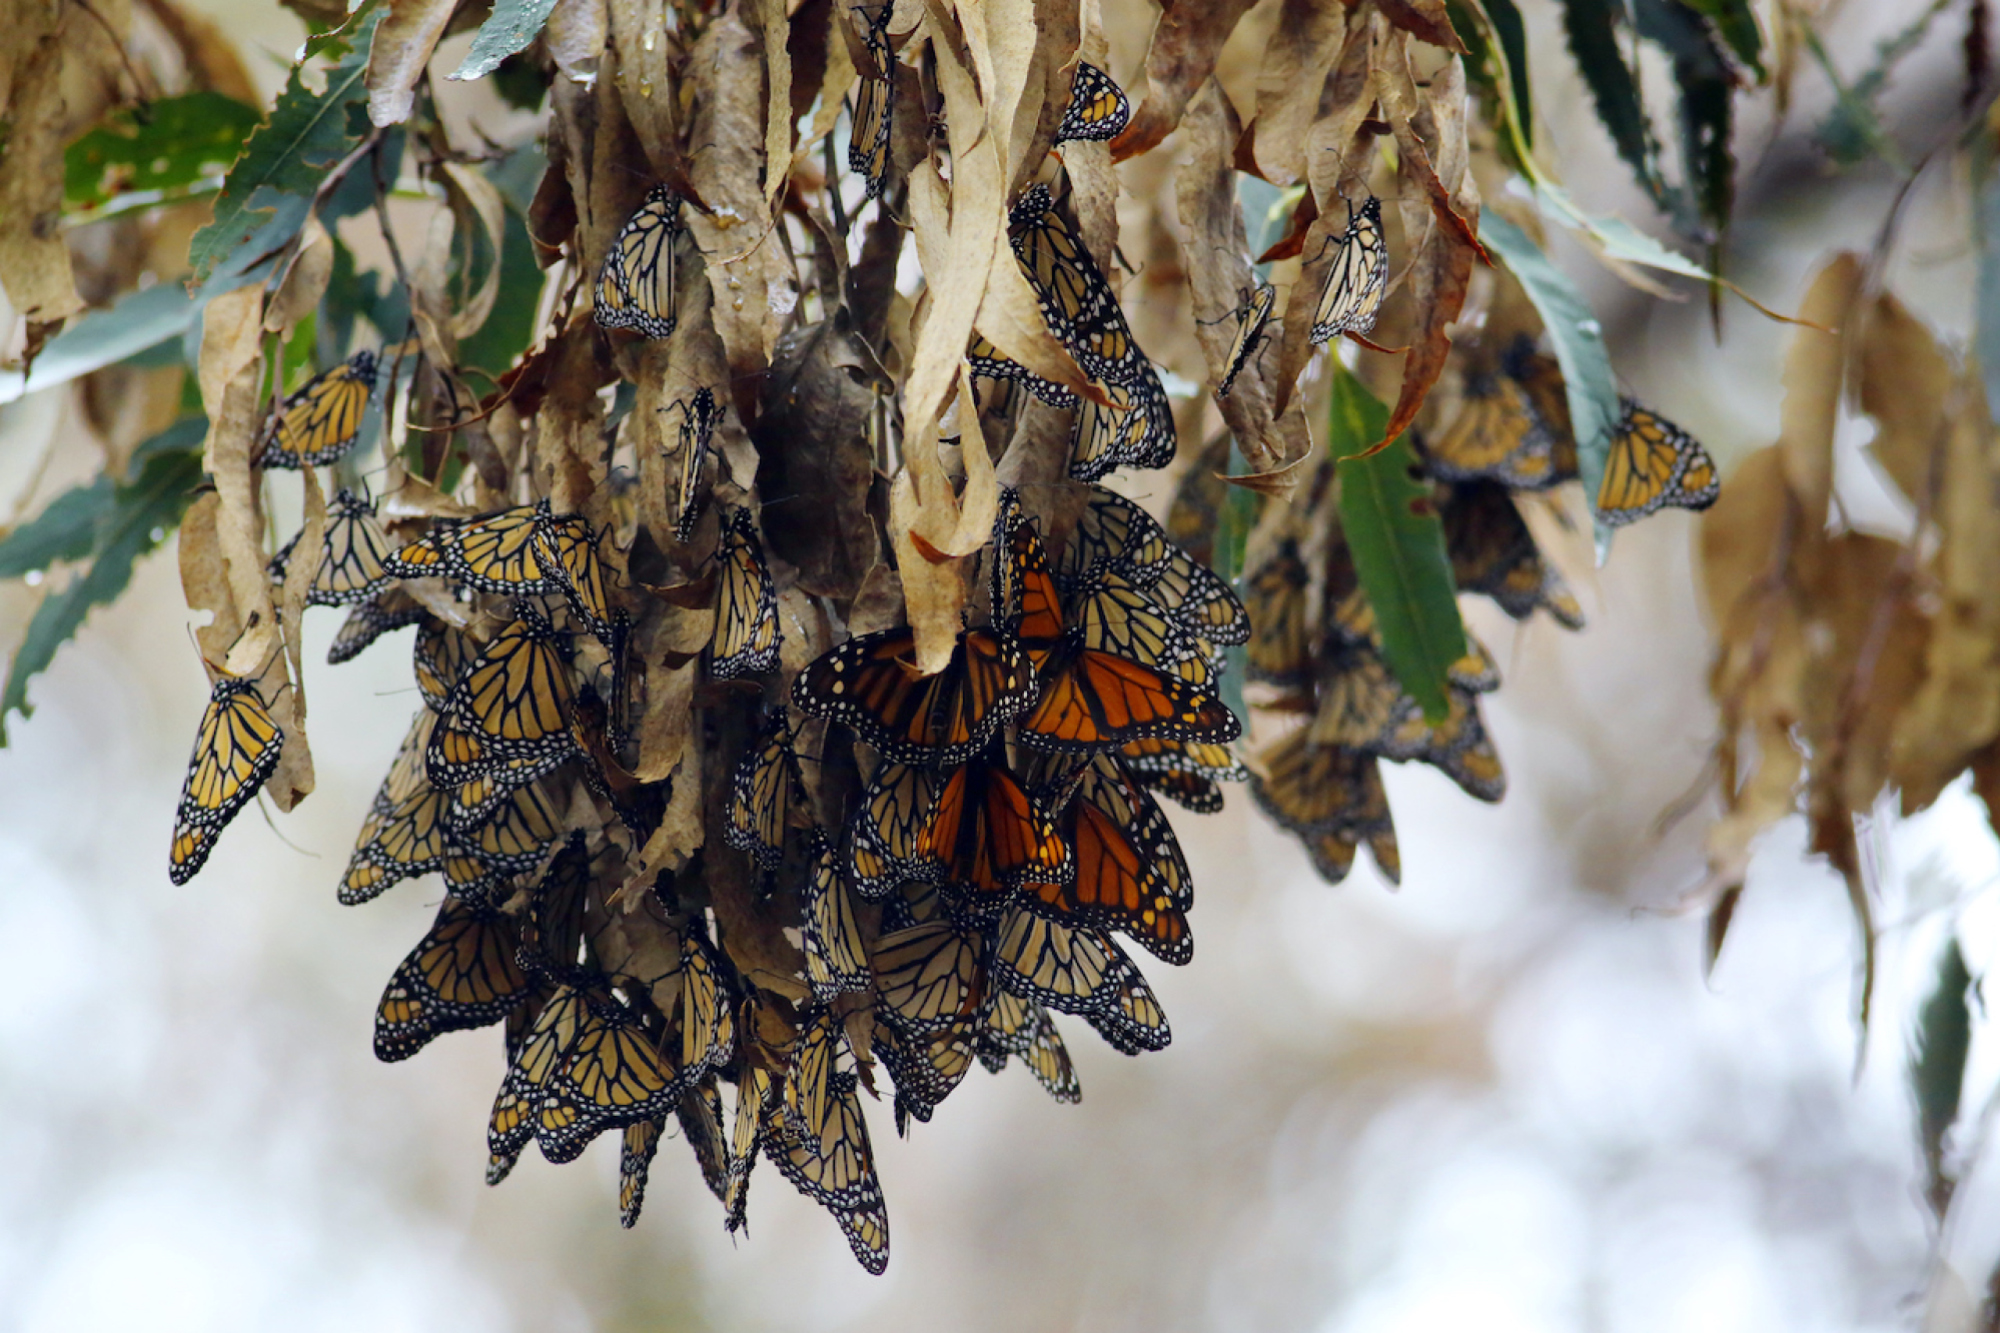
[1503, 1097]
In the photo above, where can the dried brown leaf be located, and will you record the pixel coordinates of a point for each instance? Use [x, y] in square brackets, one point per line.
[34, 261]
[230, 368]
[1306, 42]
[815, 467]
[1186, 42]
[1905, 379]
[305, 281]
[1425, 20]
[399, 54]
[1812, 378]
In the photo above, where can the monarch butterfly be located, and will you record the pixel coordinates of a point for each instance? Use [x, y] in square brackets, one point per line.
[1130, 874]
[1494, 554]
[766, 788]
[461, 975]
[635, 287]
[708, 1034]
[808, 1100]
[473, 802]
[700, 1116]
[987, 362]
[930, 976]
[442, 656]
[1458, 747]
[390, 609]
[1356, 279]
[837, 1171]
[1653, 464]
[1251, 320]
[889, 836]
[1091, 698]
[698, 418]
[1097, 106]
[1075, 969]
[1274, 593]
[1137, 430]
[870, 685]
[1183, 771]
[499, 552]
[874, 101]
[747, 638]
[513, 838]
[1115, 531]
[635, 1159]
[836, 950]
[612, 1074]
[753, 1099]
[989, 837]
[1129, 1017]
[1021, 1028]
[512, 702]
[925, 1067]
[552, 929]
[549, 1035]
[405, 834]
[350, 566]
[569, 554]
[320, 422]
[235, 748]
[1079, 305]
[1111, 615]
[1509, 428]
[1332, 797]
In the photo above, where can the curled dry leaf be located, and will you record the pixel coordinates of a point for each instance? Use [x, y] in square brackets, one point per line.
[1812, 380]
[34, 260]
[1186, 42]
[400, 53]
[815, 468]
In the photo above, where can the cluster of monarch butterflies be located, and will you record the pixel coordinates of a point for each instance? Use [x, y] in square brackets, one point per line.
[966, 855]
[1315, 650]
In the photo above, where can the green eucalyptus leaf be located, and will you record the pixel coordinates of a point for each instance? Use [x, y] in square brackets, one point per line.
[1392, 527]
[1937, 1062]
[510, 27]
[140, 321]
[1579, 346]
[163, 148]
[270, 189]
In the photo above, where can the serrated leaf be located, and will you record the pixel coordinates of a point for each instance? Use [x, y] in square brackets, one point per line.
[1738, 27]
[1578, 338]
[509, 29]
[287, 160]
[1496, 60]
[1392, 528]
[138, 518]
[1937, 1063]
[1705, 108]
[179, 142]
[65, 530]
[1614, 90]
[104, 338]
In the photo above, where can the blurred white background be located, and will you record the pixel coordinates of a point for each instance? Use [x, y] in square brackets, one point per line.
[1503, 1097]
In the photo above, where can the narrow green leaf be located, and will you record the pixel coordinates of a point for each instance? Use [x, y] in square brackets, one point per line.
[1937, 1063]
[287, 160]
[65, 530]
[140, 516]
[1480, 25]
[1617, 238]
[1591, 388]
[1393, 530]
[1706, 87]
[511, 26]
[1737, 25]
[1852, 130]
[175, 143]
[104, 338]
[1593, 40]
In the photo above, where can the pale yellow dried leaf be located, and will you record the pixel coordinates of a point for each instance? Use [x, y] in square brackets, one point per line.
[230, 366]
[401, 50]
[1305, 43]
[1905, 378]
[34, 261]
[575, 37]
[292, 780]
[1812, 379]
[305, 282]
[1956, 711]
[646, 84]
